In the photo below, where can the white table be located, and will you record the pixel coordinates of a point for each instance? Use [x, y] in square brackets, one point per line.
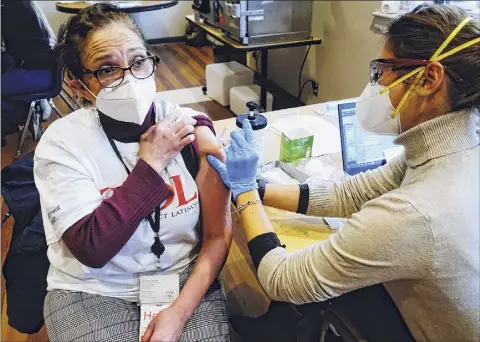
[326, 141]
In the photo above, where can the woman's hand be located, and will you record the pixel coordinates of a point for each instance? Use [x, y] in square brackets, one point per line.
[162, 142]
[167, 326]
[239, 173]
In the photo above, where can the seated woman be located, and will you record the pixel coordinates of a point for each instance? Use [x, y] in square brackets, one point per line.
[124, 193]
[413, 224]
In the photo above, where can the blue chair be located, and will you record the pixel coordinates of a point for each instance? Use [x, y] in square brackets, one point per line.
[57, 81]
[58, 86]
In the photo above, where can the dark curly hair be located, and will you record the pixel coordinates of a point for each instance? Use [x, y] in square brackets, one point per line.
[81, 26]
[420, 33]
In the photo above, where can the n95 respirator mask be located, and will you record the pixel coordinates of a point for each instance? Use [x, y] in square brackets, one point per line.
[375, 111]
[128, 102]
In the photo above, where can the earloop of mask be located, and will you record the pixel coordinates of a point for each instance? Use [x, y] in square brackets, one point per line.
[437, 56]
[87, 88]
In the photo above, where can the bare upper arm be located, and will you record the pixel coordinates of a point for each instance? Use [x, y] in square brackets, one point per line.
[214, 196]
[207, 143]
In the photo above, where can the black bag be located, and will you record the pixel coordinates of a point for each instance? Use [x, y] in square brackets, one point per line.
[26, 264]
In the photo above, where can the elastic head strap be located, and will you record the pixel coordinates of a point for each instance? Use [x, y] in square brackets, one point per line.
[437, 59]
[437, 56]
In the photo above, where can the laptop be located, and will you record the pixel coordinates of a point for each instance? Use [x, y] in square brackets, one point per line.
[360, 151]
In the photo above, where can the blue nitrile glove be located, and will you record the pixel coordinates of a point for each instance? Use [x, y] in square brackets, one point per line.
[239, 173]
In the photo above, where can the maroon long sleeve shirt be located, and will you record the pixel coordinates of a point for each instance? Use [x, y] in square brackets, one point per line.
[96, 238]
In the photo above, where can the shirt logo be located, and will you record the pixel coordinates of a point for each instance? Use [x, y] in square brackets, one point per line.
[177, 183]
[51, 214]
[106, 192]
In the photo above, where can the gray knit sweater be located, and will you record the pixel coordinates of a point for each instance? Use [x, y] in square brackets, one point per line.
[412, 225]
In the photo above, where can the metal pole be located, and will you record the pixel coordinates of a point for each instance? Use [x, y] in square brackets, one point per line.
[264, 73]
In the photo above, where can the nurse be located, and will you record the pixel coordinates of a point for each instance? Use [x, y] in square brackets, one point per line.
[413, 224]
[125, 194]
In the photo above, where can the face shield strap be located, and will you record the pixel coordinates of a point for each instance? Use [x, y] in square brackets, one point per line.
[437, 56]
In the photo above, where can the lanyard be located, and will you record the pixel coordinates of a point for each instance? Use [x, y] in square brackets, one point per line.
[157, 248]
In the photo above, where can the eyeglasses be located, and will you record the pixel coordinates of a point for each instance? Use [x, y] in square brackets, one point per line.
[112, 76]
[379, 66]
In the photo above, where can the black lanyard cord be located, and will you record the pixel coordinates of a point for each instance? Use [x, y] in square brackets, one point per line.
[157, 248]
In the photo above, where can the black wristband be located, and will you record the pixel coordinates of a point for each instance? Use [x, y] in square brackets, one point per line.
[303, 199]
[261, 188]
[261, 245]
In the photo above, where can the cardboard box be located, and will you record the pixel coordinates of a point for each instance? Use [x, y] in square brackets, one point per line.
[296, 144]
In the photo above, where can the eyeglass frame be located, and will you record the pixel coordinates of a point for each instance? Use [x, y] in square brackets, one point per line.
[409, 63]
[154, 58]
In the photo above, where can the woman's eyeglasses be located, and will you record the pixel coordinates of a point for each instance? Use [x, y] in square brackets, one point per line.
[113, 76]
[379, 66]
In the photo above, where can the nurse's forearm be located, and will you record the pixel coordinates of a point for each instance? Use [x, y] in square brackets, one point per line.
[254, 218]
[283, 197]
[292, 198]
[257, 227]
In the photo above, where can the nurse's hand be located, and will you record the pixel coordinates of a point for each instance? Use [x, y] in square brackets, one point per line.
[239, 173]
[162, 142]
[166, 326]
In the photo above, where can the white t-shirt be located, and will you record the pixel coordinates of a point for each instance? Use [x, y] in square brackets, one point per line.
[75, 169]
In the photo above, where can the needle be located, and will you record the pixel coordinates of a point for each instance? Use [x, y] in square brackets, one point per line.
[223, 133]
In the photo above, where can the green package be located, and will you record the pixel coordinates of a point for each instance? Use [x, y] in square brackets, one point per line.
[296, 144]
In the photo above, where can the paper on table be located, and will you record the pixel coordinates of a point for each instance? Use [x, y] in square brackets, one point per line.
[331, 107]
[333, 222]
[278, 176]
[392, 153]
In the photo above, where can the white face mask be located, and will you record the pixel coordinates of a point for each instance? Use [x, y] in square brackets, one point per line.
[374, 112]
[129, 102]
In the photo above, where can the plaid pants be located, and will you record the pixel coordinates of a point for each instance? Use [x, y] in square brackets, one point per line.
[79, 316]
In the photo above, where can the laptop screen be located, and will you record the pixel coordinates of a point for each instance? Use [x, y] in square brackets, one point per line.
[360, 151]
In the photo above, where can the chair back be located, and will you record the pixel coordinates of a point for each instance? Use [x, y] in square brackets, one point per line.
[43, 22]
[57, 70]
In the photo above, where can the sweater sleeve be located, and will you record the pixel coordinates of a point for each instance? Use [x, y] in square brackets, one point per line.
[387, 240]
[342, 199]
[96, 238]
[203, 120]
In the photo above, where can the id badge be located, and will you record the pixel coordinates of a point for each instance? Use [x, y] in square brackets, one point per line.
[159, 289]
[157, 292]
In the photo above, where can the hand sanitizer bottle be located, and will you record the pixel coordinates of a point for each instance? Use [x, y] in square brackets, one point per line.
[259, 125]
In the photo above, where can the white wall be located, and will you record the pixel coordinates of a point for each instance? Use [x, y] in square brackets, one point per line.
[169, 22]
[341, 63]
[54, 17]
